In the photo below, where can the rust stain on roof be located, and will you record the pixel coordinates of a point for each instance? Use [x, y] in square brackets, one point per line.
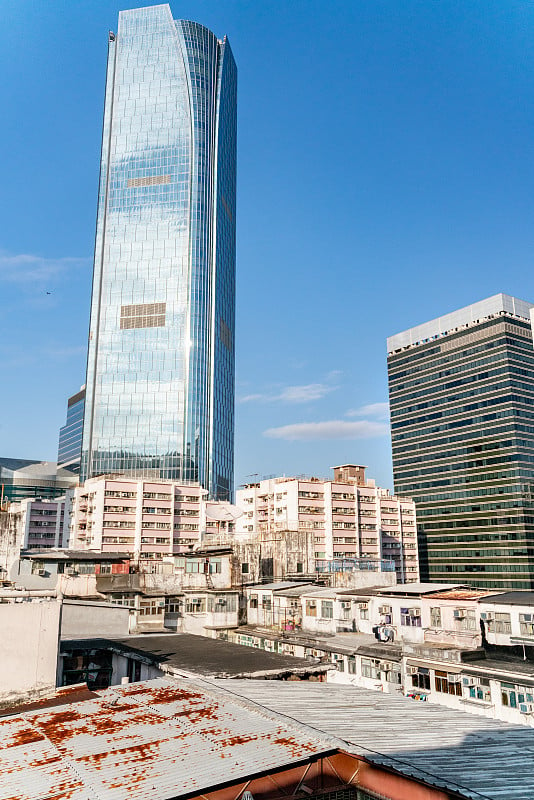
[460, 594]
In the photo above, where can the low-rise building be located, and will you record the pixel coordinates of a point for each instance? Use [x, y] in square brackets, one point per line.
[349, 516]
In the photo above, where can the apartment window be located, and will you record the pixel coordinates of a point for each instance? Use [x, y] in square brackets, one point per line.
[195, 605]
[266, 602]
[370, 668]
[512, 695]
[480, 691]
[526, 624]
[253, 601]
[351, 665]
[327, 609]
[411, 617]
[469, 622]
[447, 683]
[501, 624]
[300, 567]
[123, 600]
[311, 608]
[222, 603]
[244, 568]
[151, 608]
[364, 612]
[435, 617]
[421, 679]
[174, 605]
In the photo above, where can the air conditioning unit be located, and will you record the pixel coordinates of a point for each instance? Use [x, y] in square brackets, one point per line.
[526, 708]
[459, 613]
[486, 615]
[414, 612]
[469, 680]
[363, 605]
[413, 670]
[161, 604]
[385, 666]
[527, 617]
[221, 601]
[384, 610]
[345, 604]
[454, 678]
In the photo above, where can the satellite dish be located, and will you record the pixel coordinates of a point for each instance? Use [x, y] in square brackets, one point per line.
[223, 511]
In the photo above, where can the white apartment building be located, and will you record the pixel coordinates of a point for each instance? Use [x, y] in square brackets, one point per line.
[350, 517]
[146, 519]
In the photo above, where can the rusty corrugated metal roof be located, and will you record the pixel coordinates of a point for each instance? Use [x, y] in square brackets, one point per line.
[155, 740]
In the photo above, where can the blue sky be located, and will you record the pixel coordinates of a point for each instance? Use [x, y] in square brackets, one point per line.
[385, 176]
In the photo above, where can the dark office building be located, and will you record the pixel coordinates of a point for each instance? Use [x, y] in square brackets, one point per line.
[69, 452]
[461, 391]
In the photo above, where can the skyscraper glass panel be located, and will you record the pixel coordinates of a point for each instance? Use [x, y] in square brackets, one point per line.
[461, 392]
[160, 371]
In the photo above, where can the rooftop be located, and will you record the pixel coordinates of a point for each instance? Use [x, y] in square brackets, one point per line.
[72, 555]
[479, 758]
[154, 740]
[273, 587]
[405, 589]
[470, 315]
[201, 655]
[510, 599]
[461, 594]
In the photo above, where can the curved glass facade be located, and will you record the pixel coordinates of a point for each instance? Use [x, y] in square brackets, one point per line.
[160, 371]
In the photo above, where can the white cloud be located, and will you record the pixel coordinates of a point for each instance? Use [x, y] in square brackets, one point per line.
[292, 394]
[377, 410]
[331, 429]
[305, 394]
[249, 398]
[31, 269]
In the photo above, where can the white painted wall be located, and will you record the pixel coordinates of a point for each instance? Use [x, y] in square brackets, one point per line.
[30, 635]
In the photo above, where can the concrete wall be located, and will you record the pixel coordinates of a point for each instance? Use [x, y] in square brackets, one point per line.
[11, 535]
[85, 619]
[30, 633]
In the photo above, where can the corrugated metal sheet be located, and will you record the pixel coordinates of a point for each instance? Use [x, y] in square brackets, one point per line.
[156, 739]
[477, 757]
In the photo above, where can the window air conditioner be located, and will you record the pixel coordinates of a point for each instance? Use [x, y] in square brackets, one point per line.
[385, 666]
[413, 670]
[527, 617]
[469, 680]
[384, 610]
[414, 612]
[486, 615]
[526, 708]
[363, 605]
[459, 613]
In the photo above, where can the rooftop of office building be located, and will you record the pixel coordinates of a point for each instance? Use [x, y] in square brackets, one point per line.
[496, 305]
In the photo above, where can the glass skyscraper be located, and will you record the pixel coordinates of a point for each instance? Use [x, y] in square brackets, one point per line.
[461, 391]
[70, 435]
[160, 370]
